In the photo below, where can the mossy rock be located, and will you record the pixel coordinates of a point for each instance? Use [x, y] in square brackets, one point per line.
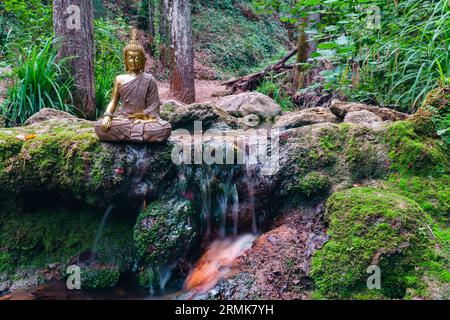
[314, 183]
[163, 233]
[66, 158]
[323, 157]
[99, 277]
[35, 240]
[411, 153]
[370, 226]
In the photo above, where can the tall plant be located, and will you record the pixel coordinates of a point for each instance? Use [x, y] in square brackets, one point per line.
[108, 57]
[39, 82]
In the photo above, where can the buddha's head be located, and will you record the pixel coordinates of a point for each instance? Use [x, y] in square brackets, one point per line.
[134, 54]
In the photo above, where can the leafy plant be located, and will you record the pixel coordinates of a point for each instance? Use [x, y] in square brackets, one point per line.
[274, 89]
[39, 82]
[108, 57]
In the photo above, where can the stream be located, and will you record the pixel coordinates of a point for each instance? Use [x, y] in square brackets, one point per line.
[225, 237]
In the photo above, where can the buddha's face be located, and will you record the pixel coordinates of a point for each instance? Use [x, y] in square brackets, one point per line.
[134, 61]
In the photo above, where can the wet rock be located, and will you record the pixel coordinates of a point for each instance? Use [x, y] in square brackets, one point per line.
[305, 117]
[164, 233]
[340, 109]
[362, 117]
[243, 104]
[208, 115]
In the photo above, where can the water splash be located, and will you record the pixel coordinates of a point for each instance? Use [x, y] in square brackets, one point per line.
[235, 209]
[217, 263]
[100, 232]
[222, 200]
[250, 182]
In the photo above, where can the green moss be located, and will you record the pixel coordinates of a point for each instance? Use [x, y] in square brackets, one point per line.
[99, 277]
[164, 232]
[67, 161]
[37, 239]
[312, 184]
[369, 226]
[431, 193]
[414, 154]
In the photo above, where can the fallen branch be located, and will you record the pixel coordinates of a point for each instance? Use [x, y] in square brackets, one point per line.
[250, 82]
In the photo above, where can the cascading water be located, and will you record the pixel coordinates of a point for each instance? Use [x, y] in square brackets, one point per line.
[221, 187]
[216, 263]
[99, 233]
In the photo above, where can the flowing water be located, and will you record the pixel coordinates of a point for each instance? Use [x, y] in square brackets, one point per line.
[218, 195]
[99, 233]
[218, 262]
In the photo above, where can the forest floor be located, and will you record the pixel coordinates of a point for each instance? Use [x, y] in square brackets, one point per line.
[205, 91]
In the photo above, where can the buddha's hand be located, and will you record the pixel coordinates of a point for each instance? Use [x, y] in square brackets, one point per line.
[106, 124]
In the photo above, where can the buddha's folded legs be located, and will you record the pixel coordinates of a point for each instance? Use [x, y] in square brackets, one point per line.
[134, 131]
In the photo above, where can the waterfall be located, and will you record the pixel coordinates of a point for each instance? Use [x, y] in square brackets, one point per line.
[99, 232]
[249, 181]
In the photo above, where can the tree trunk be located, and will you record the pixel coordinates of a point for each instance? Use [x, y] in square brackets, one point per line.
[73, 22]
[151, 19]
[163, 17]
[182, 75]
[302, 56]
[306, 47]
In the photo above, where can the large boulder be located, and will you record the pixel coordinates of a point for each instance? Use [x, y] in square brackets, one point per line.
[63, 156]
[50, 114]
[370, 228]
[362, 117]
[164, 233]
[209, 116]
[243, 104]
[305, 117]
[340, 109]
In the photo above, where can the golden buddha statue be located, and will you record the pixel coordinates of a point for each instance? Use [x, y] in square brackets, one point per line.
[139, 120]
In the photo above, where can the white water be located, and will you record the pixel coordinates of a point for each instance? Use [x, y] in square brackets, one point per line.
[100, 232]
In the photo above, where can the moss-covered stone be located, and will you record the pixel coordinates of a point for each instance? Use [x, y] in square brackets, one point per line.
[414, 154]
[313, 183]
[163, 233]
[336, 156]
[34, 240]
[67, 158]
[370, 226]
[99, 277]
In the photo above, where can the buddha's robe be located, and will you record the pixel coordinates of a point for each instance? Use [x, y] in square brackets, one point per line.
[139, 95]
